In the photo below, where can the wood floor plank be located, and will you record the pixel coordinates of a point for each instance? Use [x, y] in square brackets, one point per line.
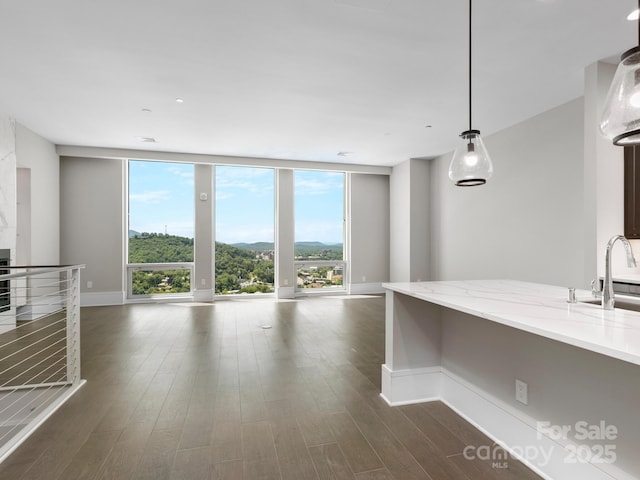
[232, 470]
[192, 464]
[382, 474]
[125, 455]
[91, 457]
[257, 442]
[315, 429]
[156, 462]
[394, 455]
[258, 451]
[444, 440]
[330, 462]
[355, 447]
[176, 405]
[293, 456]
[226, 442]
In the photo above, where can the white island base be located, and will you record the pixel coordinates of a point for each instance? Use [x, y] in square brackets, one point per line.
[466, 343]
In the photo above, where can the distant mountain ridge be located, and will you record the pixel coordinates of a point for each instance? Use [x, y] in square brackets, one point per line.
[269, 245]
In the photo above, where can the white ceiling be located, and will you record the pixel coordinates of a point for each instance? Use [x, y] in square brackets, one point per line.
[295, 79]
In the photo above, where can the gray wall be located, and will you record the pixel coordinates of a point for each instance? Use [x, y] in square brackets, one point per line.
[285, 234]
[369, 229]
[410, 221]
[91, 222]
[204, 214]
[400, 222]
[526, 223]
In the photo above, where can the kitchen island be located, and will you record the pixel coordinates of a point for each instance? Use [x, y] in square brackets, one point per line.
[467, 342]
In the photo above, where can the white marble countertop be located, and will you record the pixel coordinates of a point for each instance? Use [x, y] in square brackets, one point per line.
[539, 309]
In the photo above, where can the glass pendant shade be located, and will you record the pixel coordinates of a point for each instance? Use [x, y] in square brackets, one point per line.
[471, 165]
[620, 119]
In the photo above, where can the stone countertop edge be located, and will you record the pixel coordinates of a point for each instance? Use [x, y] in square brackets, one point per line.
[539, 309]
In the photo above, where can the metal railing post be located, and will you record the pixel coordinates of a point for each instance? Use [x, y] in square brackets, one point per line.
[73, 325]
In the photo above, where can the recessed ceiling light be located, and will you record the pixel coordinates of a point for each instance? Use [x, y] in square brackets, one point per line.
[147, 139]
[180, 100]
[634, 15]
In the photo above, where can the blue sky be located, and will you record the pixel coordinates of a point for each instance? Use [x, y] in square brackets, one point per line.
[319, 211]
[162, 197]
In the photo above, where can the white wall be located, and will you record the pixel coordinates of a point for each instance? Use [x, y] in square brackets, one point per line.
[8, 209]
[526, 223]
[40, 157]
[369, 231]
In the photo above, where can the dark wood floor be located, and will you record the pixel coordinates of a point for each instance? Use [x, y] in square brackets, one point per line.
[196, 391]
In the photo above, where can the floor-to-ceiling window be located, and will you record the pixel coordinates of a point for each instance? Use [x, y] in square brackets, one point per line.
[319, 200]
[244, 230]
[161, 228]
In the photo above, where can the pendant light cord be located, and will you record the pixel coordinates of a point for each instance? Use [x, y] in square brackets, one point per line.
[470, 61]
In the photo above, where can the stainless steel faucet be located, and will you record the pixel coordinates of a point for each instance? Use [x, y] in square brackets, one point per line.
[608, 299]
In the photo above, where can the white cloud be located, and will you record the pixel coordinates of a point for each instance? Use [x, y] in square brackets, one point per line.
[328, 182]
[150, 197]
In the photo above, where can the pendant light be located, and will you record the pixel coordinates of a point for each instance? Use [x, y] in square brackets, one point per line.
[471, 165]
[620, 119]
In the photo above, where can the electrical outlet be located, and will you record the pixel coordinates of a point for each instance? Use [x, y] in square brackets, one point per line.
[89, 284]
[521, 392]
[286, 282]
[203, 282]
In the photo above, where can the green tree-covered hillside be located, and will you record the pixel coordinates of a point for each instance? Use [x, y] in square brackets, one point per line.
[235, 266]
[160, 248]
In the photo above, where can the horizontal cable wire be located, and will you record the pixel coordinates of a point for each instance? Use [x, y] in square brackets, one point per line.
[26, 335]
[29, 358]
[63, 357]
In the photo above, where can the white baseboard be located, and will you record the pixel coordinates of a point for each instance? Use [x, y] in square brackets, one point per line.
[403, 387]
[203, 295]
[506, 425]
[100, 299]
[286, 292]
[366, 288]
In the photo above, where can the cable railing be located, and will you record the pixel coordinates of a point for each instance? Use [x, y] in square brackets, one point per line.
[39, 347]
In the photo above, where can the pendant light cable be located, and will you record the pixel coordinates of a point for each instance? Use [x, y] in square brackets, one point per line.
[470, 76]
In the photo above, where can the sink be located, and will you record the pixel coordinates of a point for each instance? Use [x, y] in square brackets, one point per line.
[622, 304]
